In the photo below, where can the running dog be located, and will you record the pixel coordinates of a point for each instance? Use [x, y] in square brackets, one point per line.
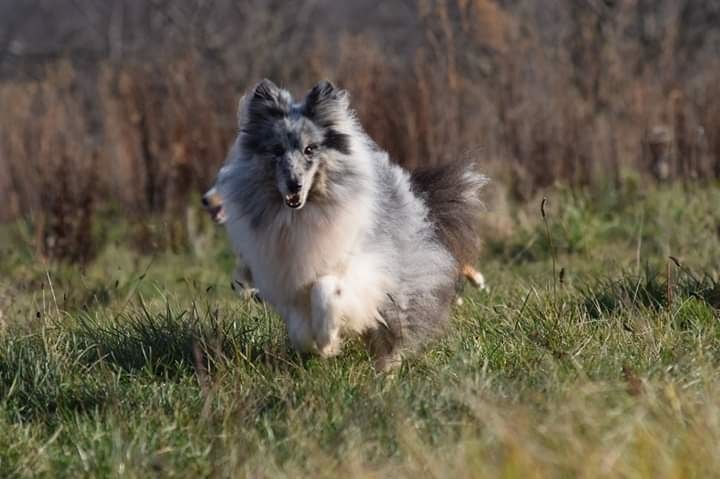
[338, 239]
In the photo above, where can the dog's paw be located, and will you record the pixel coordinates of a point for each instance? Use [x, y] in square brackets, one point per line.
[329, 346]
[388, 362]
[330, 350]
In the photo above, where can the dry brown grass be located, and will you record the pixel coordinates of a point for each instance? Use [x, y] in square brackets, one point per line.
[535, 103]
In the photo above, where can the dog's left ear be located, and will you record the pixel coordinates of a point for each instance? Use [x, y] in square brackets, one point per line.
[324, 103]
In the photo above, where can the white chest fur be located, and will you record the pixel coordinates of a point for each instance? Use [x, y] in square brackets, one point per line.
[287, 255]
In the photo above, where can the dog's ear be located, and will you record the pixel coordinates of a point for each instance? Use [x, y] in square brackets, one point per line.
[266, 91]
[325, 104]
[265, 102]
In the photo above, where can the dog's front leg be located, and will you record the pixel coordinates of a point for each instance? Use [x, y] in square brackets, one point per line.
[326, 300]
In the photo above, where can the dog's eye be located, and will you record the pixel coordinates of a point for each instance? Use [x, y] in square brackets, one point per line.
[310, 150]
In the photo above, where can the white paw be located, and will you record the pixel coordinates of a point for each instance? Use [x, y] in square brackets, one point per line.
[388, 363]
[331, 348]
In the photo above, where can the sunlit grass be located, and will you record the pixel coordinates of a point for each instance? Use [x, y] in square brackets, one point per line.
[140, 365]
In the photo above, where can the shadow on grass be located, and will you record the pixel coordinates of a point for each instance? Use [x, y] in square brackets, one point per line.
[73, 367]
[170, 343]
[649, 290]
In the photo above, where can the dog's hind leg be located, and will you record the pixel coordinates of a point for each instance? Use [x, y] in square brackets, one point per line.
[300, 333]
[383, 347]
[326, 300]
[242, 281]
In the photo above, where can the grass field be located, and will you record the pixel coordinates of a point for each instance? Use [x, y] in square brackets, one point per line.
[142, 365]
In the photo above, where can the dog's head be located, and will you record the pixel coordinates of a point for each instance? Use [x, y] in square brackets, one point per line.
[294, 142]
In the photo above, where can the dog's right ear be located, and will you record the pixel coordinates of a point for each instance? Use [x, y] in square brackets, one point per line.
[266, 91]
[265, 102]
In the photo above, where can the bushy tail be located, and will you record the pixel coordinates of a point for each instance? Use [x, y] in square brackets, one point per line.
[452, 193]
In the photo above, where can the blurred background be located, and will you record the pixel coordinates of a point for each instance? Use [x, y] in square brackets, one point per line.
[124, 109]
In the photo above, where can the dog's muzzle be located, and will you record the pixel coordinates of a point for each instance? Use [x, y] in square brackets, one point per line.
[213, 204]
[293, 200]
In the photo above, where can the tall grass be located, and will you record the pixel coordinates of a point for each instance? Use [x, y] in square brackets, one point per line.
[122, 370]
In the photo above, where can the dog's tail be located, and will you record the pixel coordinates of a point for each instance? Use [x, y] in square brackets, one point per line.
[452, 193]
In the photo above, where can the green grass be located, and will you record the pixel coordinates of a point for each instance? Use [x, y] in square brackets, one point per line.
[150, 365]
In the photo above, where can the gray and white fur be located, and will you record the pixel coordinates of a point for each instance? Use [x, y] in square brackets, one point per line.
[339, 240]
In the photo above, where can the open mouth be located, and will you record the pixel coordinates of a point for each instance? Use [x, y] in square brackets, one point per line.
[218, 214]
[213, 204]
[293, 201]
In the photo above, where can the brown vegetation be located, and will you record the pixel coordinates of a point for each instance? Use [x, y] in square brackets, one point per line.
[576, 92]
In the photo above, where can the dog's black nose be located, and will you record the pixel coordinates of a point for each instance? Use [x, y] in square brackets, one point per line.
[205, 201]
[294, 186]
